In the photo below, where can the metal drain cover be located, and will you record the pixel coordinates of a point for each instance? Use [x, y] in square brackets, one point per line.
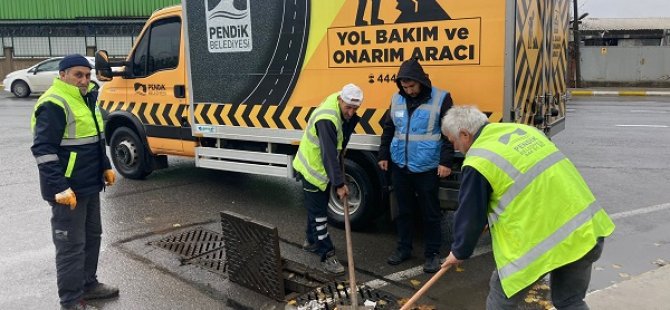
[252, 250]
[192, 243]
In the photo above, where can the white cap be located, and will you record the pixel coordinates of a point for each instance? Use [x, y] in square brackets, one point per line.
[352, 94]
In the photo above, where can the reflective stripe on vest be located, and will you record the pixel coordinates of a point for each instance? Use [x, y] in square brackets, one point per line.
[521, 180]
[433, 108]
[80, 120]
[417, 138]
[308, 161]
[322, 178]
[541, 212]
[549, 243]
[70, 121]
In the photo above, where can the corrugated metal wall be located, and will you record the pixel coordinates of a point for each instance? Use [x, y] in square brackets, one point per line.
[640, 65]
[77, 9]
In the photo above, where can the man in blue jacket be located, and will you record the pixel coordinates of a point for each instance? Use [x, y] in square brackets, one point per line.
[69, 147]
[419, 156]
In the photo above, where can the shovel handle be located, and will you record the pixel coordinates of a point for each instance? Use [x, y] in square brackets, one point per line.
[424, 288]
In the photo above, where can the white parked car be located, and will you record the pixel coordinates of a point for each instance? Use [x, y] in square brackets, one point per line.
[38, 78]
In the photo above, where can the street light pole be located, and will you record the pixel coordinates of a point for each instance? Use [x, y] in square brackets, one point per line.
[575, 42]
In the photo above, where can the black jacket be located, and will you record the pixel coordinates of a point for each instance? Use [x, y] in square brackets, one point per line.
[411, 69]
[91, 159]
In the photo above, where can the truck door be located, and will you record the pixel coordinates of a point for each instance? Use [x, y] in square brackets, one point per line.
[156, 84]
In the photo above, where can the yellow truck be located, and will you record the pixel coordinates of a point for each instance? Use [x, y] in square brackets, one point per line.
[232, 83]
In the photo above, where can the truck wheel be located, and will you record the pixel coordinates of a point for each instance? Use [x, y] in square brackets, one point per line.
[20, 89]
[362, 199]
[128, 154]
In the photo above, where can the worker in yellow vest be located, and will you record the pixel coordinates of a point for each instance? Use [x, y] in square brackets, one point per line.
[69, 148]
[541, 213]
[319, 162]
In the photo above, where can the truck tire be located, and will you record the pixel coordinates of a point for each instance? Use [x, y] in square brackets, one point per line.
[20, 89]
[129, 154]
[362, 198]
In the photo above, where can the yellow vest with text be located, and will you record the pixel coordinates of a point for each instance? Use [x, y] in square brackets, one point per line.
[308, 161]
[542, 214]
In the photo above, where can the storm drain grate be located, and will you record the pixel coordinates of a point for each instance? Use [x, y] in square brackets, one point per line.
[252, 250]
[214, 261]
[336, 294]
[192, 243]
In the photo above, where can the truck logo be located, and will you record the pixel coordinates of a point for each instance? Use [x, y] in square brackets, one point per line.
[151, 89]
[228, 26]
[140, 89]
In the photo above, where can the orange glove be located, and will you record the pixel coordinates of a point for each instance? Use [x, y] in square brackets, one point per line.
[110, 177]
[67, 197]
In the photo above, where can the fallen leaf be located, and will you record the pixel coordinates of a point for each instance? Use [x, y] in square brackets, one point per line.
[616, 266]
[292, 302]
[415, 283]
[624, 275]
[176, 225]
[459, 269]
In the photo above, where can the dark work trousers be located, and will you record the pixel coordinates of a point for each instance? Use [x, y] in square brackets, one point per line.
[568, 285]
[316, 202]
[416, 191]
[76, 235]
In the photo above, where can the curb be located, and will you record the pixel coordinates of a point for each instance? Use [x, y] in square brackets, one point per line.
[619, 93]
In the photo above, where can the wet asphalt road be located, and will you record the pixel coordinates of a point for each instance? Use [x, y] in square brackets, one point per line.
[619, 144]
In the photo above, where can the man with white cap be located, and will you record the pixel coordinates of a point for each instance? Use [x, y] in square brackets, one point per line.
[319, 163]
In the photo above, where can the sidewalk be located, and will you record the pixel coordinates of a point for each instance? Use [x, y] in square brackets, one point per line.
[615, 91]
[647, 291]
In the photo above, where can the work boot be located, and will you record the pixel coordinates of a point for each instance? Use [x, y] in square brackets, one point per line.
[309, 247]
[332, 265]
[398, 257]
[101, 291]
[80, 305]
[432, 264]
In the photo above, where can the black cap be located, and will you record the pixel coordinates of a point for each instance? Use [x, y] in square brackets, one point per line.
[73, 60]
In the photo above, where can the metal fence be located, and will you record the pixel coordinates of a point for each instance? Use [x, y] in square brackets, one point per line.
[58, 39]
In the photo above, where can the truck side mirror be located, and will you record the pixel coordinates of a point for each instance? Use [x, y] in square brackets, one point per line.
[103, 66]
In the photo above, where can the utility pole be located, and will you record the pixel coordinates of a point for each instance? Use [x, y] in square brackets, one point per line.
[575, 42]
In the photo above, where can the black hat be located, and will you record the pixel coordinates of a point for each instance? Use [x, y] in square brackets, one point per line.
[73, 60]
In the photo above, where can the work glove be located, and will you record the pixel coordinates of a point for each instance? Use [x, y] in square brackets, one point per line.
[67, 197]
[110, 177]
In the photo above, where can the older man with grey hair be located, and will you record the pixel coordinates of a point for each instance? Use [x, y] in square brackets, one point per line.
[540, 212]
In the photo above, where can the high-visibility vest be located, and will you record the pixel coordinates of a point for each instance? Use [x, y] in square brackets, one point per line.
[80, 125]
[308, 160]
[542, 214]
[417, 139]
